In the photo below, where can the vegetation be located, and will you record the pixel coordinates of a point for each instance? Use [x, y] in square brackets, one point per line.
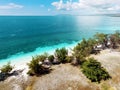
[36, 67]
[51, 58]
[116, 36]
[115, 39]
[100, 37]
[40, 57]
[94, 71]
[90, 67]
[69, 59]
[61, 54]
[84, 49]
[6, 68]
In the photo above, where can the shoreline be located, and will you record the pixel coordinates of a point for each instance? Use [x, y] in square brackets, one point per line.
[20, 64]
[103, 57]
[19, 61]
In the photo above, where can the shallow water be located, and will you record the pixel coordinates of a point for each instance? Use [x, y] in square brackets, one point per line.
[30, 35]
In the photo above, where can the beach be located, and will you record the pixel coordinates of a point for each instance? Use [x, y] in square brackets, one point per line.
[20, 62]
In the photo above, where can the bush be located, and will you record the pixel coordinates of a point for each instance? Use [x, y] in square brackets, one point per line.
[69, 59]
[6, 68]
[51, 58]
[36, 68]
[84, 49]
[94, 71]
[40, 57]
[116, 36]
[100, 37]
[61, 54]
[115, 39]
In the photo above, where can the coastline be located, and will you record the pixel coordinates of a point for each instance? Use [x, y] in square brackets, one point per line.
[20, 60]
[106, 57]
[74, 74]
[20, 65]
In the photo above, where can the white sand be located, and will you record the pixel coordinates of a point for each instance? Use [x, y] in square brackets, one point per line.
[20, 63]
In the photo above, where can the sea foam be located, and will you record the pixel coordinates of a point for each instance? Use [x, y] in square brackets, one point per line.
[21, 56]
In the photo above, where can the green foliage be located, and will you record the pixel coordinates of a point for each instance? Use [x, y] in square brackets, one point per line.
[69, 59]
[35, 68]
[51, 58]
[94, 71]
[84, 48]
[100, 37]
[40, 57]
[61, 54]
[115, 37]
[6, 68]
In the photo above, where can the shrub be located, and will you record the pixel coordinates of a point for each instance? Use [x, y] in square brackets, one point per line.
[40, 57]
[51, 58]
[100, 37]
[94, 71]
[115, 39]
[116, 36]
[84, 49]
[6, 68]
[61, 54]
[69, 59]
[36, 68]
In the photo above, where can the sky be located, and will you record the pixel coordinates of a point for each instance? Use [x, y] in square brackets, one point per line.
[55, 7]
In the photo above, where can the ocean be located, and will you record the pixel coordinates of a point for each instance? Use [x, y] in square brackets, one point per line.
[22, 36]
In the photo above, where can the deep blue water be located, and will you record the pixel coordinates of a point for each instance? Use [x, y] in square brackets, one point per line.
[26, 33]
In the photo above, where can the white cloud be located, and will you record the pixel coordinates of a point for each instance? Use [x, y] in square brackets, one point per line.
[95, 5]
[68, 5]
[117, 8]
[10, 6]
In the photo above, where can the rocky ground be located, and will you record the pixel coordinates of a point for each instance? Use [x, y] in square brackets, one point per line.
[68, 77]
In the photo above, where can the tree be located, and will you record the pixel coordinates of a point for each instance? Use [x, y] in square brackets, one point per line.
[61, 54]
[6, 68]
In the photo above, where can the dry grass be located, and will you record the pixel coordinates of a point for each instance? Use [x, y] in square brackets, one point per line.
[31, 83]
[64, 77]
[111, 61]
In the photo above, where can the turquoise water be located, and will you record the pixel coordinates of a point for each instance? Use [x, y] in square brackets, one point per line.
[30, 35]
